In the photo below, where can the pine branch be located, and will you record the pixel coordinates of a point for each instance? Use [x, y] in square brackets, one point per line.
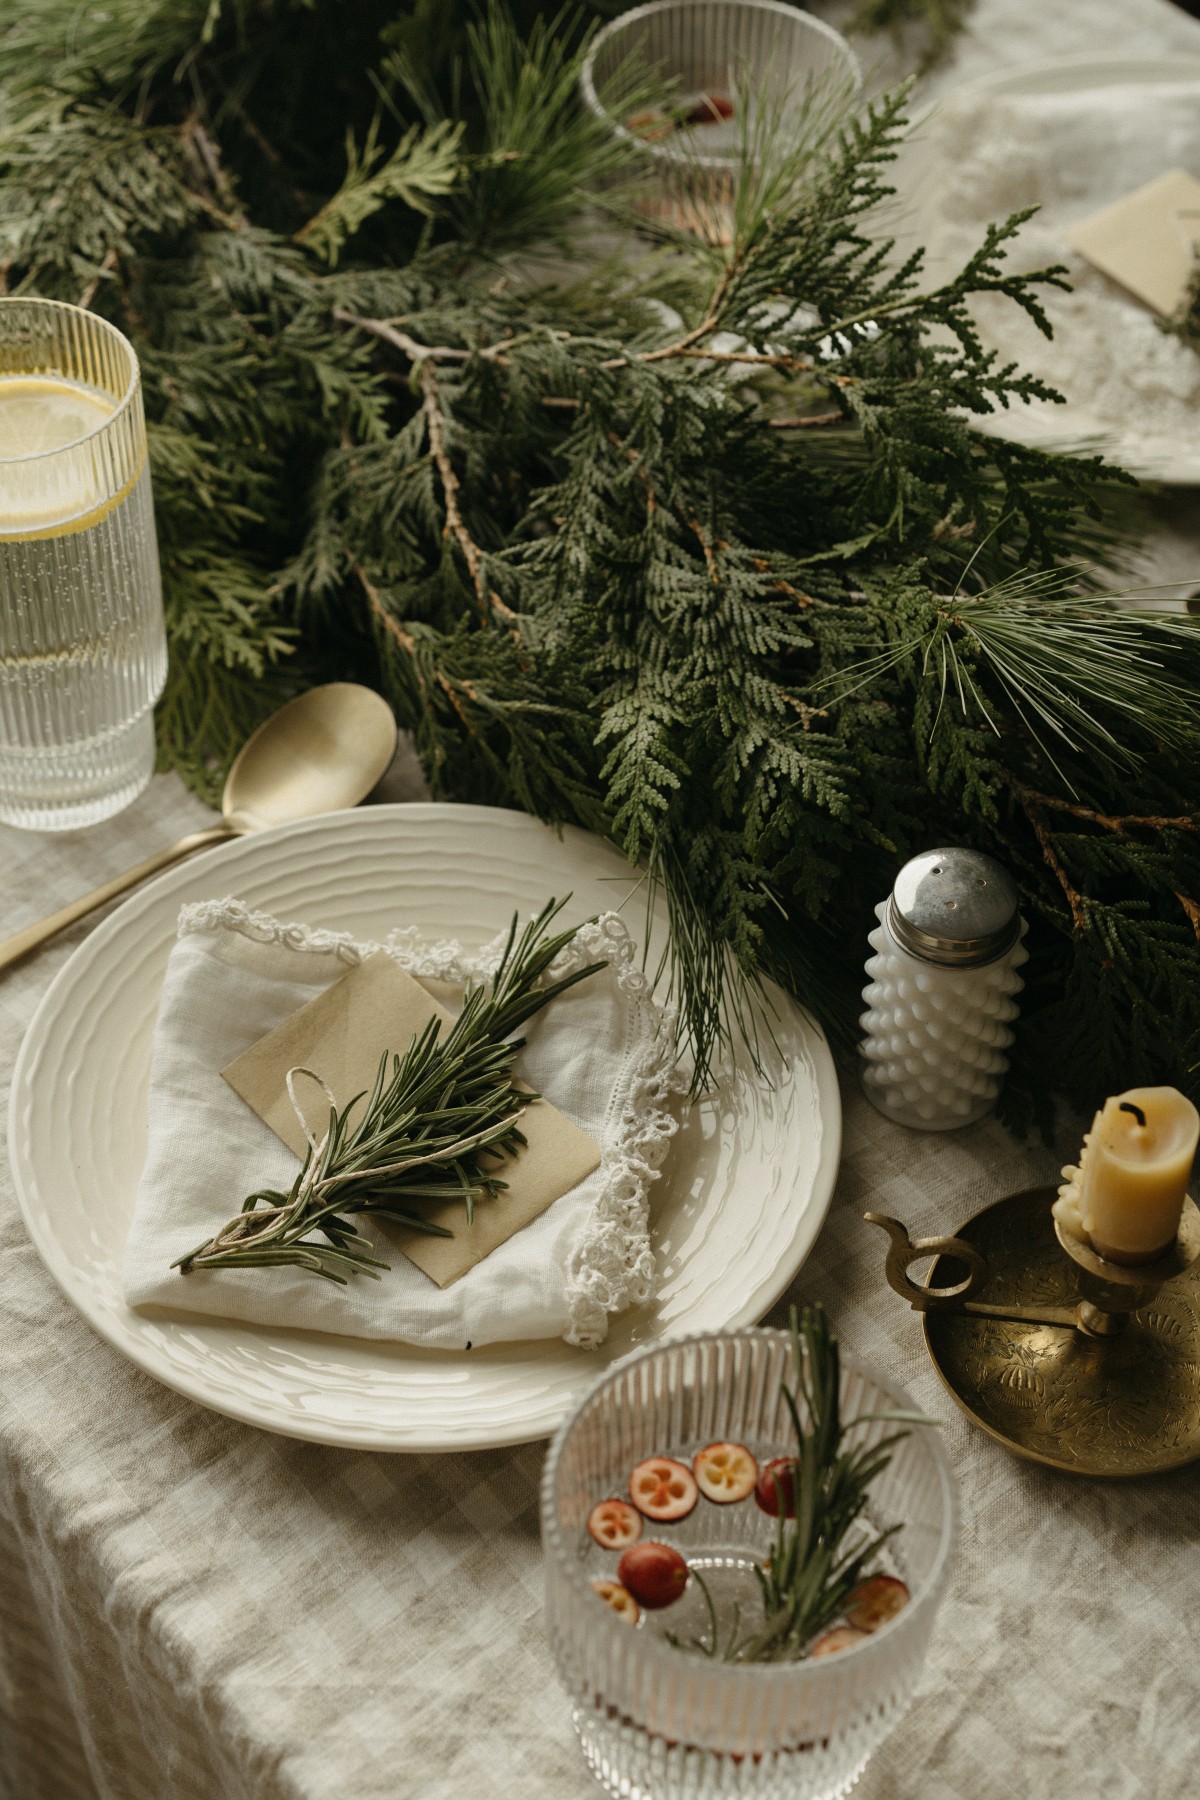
[707, 595]
[423, 167]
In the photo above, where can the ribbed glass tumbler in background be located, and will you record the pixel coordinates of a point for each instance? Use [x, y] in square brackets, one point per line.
[660, 1723]
[83, 652]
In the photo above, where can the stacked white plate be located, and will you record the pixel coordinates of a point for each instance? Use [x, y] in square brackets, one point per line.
[744, 1192]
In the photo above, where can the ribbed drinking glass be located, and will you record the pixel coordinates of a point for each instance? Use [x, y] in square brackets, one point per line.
[82, 648]
[793, 70]
[660, 1723]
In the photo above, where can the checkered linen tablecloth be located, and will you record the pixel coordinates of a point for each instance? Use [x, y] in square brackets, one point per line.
[194, 1610]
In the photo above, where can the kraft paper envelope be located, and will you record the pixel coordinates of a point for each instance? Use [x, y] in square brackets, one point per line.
[1148, 241]
[342, 1034]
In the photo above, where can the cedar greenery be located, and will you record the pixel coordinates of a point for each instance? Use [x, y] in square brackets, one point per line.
[694, 545]
[434, 1126]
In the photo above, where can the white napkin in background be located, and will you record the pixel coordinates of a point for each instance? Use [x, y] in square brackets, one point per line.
[603, 1052]
[1071, 154]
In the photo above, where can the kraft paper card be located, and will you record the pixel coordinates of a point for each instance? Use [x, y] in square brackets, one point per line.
[342, 1034]
[1148, 241]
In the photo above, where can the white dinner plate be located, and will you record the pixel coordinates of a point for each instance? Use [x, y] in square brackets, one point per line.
[743, 1194]
[919, 177]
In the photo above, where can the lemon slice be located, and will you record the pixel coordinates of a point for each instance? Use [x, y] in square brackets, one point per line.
[39, 414]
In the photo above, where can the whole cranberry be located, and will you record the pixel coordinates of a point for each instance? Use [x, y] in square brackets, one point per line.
[776, 1482]
[655, 1574]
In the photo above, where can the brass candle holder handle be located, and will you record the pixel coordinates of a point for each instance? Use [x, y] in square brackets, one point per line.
[1062, 1355]
[923, 1297]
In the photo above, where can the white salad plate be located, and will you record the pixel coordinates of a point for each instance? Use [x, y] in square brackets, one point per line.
[743, 1193]
[921, 178]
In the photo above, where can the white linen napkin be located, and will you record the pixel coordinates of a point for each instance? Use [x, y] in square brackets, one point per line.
[1129, 385]
[602, 1052]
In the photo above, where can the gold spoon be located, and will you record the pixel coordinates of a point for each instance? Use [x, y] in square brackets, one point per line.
[321, 752]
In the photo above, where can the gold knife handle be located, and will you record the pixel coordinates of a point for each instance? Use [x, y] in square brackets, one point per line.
[23, 942]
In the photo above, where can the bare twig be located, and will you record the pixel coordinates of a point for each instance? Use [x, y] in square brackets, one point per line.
[1119, 822]
[424, 358]
[256, 136]
[808, 423]
[710, 554]
[489, 600]
[1192, 910]
[406, 642]
[1032, 802]
[107, 265]
[209, 156]
[391, 625]
[1073, 896]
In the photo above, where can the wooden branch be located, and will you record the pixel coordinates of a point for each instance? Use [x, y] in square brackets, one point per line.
[391, 625]
[809, 423]
[256, 137]
[389, 333]
[108, 264]
[1032, 802]
[1074, 897]
[424, 357]
[1119, 822]
[228, 210]
[710, 554]
[489, 600]
[408, 644]
[1192, 910]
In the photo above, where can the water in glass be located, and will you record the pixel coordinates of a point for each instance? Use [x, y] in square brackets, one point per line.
[82, 645]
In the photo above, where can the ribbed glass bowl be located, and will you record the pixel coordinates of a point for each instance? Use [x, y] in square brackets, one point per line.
[698, 48]
[660, 1723]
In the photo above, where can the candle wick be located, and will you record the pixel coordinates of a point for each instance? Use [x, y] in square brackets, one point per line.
[1129, 1107]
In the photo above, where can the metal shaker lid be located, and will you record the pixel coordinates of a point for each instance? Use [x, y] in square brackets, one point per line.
[955, 907]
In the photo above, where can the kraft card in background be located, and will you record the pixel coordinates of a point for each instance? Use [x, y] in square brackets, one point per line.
[342, 1034]
[1148, 241]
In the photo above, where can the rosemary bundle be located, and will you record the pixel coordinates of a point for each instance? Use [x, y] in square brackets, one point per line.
[435, 1127]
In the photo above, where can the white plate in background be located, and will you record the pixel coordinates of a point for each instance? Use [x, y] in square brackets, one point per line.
[919, 175]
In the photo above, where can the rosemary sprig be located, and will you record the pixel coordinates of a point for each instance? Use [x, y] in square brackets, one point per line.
[435, 1128]
[817, 1559]
[812, 1567]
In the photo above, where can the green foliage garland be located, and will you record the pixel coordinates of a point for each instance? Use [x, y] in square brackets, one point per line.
[698, 548]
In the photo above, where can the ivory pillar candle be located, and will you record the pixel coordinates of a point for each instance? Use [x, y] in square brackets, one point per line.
[1128, 1189]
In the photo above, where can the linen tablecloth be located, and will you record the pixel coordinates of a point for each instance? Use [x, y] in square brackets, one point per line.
[194, 1610]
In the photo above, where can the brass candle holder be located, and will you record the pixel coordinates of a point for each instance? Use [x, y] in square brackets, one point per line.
[1067, 1358]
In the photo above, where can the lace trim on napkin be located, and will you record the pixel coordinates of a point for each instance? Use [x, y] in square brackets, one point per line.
[612, 1265]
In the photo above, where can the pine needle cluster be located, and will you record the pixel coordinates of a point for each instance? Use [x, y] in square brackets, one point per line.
[694, 544]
